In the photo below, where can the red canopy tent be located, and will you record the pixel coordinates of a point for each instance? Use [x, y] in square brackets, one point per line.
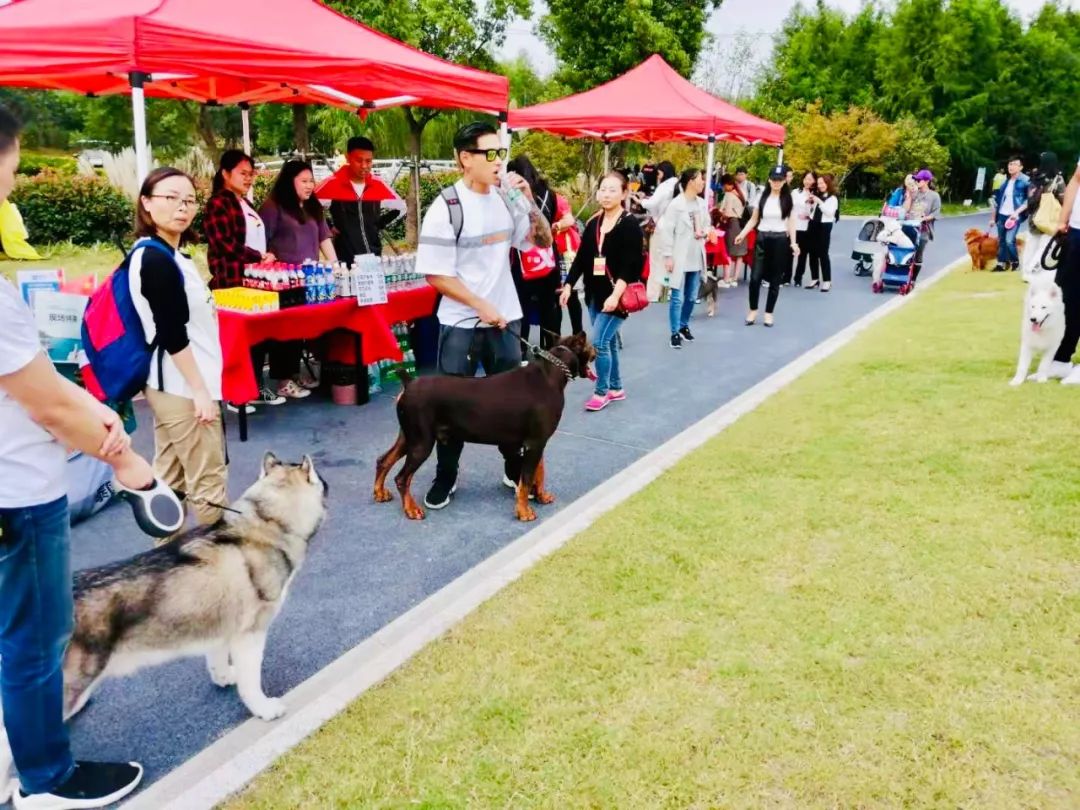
[649, 103]
[226, 52]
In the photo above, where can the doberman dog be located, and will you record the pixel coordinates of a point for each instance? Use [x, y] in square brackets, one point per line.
[517, 410]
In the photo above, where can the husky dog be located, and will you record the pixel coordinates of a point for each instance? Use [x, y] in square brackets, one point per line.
[1042, 328]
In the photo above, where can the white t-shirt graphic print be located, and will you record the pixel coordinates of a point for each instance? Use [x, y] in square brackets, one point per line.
[480, 257]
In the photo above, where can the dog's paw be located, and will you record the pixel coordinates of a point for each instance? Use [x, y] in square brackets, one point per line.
[525, 515]
[414, 513]
[1018, 380]
[269, 709]
[1041, 378]
[8, 787]
[383, 496]
[223, 677]
[544, 498]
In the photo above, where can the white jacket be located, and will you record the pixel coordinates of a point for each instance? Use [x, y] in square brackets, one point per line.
[678, 240]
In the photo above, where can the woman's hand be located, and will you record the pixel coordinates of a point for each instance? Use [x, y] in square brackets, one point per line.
[794, 248]
[669, 264]
[117, 440]
[205, 409]
[740, 238]
[612, 303]
[564, 295]
[269, 258]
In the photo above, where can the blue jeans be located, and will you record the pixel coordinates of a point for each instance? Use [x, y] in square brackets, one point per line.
[681, 303]
[1007, 242]
[36, 617]
[605, 339]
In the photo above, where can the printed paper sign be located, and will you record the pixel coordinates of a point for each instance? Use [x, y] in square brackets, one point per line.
[59, 318]
[33, 281]
[370, 287]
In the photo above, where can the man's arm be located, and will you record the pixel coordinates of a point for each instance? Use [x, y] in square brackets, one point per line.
[76, 419]
[452, 287]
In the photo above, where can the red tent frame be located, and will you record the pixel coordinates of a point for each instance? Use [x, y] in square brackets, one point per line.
[227, 52]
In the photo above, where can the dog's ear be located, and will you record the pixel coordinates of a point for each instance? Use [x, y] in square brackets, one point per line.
[554, 335]
[307, 466]
[268, 463]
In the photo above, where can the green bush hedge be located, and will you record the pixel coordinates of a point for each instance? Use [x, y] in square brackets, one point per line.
[84, 210]
[32, 164]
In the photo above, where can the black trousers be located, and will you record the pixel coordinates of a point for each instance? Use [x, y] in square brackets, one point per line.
[802, 239]
[461, 353]
[541, 295]
[819, 242]
[573, 309]
[284, 359]
[771, 256]
[1068, 278]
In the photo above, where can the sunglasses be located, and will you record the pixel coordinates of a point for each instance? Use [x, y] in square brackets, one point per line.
[490, 154]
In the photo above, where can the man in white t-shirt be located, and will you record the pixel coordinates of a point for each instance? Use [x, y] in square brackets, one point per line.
[41, 413]
[1068, 278]
[466, 257]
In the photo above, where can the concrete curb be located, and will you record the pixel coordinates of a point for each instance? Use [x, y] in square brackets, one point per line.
[230, 763]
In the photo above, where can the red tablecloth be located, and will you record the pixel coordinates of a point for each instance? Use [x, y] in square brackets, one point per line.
[240, 331]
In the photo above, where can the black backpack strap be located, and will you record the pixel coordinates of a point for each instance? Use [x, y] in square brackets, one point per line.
[147, 242]
[453, 205]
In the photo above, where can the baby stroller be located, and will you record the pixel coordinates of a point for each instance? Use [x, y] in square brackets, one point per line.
[867, 250]
[897, 267]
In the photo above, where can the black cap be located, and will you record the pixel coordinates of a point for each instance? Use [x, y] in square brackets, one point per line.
[778, 173]
[741, 170]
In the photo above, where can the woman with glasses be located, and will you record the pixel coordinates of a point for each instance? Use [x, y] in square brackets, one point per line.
[177, 313]
[235, 237]
[536, 288]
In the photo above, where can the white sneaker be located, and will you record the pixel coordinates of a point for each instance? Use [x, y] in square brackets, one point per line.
[248, 409]
[290, 389]
[268, 397]
[1071, 378]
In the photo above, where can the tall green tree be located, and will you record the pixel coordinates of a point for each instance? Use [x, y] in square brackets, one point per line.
[462, 31]
[597, 40]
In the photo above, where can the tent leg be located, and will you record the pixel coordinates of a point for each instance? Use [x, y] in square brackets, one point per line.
[245, 124]
[607, 157]
[780, 156]
[138, 113]
[709, 160]
[504, 132]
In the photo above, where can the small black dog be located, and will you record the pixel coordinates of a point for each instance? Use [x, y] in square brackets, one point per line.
[517, 410]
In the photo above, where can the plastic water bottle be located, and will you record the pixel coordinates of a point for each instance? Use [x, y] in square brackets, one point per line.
[515, 197]
[310, 293]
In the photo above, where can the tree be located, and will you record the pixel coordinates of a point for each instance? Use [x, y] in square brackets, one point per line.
[595, 40]
[917, 147]
[840, 143]
[461, 31]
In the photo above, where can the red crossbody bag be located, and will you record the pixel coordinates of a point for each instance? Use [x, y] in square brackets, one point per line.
[635, 297]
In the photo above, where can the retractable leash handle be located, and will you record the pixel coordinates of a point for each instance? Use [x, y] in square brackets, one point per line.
[157, 510]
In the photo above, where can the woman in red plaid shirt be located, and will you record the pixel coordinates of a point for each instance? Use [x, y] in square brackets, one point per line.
[235, 237]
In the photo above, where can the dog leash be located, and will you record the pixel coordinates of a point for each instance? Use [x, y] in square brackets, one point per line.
[531, 349]
[183, 496]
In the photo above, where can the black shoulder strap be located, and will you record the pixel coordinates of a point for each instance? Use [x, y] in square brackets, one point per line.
[453, 204]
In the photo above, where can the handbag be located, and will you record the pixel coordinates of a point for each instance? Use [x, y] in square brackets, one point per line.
[536, 263]
[635, 297]
[1046, 218]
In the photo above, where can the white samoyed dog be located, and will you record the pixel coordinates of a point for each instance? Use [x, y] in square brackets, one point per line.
[1042, 328]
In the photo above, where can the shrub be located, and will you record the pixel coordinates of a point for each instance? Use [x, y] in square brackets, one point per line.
[32, 164]
[84, 210]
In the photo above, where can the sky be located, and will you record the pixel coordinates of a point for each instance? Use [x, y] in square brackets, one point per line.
[756, 16]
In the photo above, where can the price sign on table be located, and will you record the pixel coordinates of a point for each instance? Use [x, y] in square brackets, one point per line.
[370, 287]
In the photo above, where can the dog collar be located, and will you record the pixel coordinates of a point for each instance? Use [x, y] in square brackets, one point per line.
[555, 361]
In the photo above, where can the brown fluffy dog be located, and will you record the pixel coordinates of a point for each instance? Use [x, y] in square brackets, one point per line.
[983, 247]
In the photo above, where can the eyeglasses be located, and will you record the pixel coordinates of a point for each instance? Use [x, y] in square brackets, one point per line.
[176, 201]
[491, 154]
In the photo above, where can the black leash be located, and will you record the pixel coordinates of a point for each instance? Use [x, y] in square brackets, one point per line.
[530, 349]
[183, 496]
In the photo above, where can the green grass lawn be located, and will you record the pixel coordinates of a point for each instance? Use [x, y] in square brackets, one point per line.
[864, 594]
[855, 207]
[76, 261]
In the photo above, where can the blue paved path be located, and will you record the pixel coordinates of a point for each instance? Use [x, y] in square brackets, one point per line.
[369, 565]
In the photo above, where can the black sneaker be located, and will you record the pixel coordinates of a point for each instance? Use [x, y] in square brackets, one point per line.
[676, 341]
[91, 784]
[438, 497]
[999, 269]
[686, 334]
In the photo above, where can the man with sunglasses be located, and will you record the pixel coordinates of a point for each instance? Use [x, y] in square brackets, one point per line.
[41, 414]
[469, 264]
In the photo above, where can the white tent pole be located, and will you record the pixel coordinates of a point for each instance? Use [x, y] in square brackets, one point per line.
[245, 124]
[607, 156]
[780, 156]
[709, 159]
[138, 113]
[504, 131]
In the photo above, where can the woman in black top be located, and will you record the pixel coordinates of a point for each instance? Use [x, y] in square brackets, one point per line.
[611, 257]
[539, 293]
